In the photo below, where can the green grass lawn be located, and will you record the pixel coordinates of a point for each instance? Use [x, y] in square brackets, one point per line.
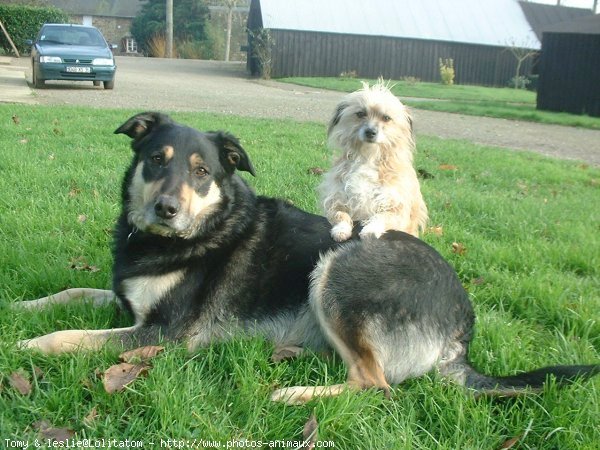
[530, 226]
[505, 103]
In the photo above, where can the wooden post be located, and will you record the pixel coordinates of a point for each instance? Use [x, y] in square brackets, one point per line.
[12, 44]
[169, 28]
[229, 26]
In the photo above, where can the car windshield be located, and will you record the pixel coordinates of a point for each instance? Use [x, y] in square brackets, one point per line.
[72, 36]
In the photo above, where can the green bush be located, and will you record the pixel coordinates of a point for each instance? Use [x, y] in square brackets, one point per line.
[447, 71]
[24, 22]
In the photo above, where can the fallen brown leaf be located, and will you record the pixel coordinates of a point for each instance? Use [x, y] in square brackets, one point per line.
[437, 230]
[91, 417]
[315, 171]
[16, 119]
[141, 354]
[81, 218]
[309, 433]
[448, 167]
[117, 377]
[283, 353]
[478, 281]
[38, 373]
[20, 383]
[509, 443]
[47, 431]
[459, 248]
[79, 263]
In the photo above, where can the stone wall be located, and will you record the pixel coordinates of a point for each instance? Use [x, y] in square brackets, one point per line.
[114, 29]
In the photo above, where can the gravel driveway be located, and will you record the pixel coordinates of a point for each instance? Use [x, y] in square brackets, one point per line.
[212, 86]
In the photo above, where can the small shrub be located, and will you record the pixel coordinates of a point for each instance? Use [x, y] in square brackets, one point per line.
[348, 74]
[411, 80]
[447, 71]
[262, 49]
[520, 82]
[157, 47]
[190, 50]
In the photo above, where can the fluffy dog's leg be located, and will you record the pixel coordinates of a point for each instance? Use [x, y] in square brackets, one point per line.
[342, 226]
[74, 340]
[100, 297]
[378, 224]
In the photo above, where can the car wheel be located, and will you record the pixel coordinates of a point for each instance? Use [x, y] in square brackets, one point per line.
[109, 84]
[37, 81]
[97, 83]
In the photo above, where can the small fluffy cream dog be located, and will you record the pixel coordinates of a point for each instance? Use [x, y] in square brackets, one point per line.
[372, 180]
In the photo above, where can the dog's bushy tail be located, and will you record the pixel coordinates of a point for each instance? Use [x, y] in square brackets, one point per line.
[527, 382]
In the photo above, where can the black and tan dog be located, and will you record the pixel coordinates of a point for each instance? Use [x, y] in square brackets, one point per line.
[199, 258]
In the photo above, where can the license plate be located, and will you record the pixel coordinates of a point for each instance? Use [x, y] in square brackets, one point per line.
[74, 69]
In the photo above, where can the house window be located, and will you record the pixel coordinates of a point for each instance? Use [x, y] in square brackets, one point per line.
[130, 45]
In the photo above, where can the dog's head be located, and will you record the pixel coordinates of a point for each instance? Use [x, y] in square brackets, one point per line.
[179, 175]
[371, 116]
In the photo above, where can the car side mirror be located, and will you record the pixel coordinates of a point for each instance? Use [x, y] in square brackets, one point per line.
[28, 42]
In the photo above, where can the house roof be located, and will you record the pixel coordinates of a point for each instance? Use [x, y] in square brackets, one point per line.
[543, 17]
[107, 8]
[485, 22]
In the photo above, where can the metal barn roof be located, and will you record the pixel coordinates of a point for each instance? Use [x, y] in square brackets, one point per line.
[485, 22]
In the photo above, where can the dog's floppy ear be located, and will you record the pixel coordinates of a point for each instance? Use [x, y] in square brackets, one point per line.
[336, 116]
[231, 153]
[142, 124]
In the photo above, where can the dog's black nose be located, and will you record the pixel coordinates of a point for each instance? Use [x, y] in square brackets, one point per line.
[166, 207]
[370, 133]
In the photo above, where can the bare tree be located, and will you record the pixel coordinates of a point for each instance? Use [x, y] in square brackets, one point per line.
[521, 53]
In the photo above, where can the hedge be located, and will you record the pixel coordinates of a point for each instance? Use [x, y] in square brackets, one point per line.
[24, 22]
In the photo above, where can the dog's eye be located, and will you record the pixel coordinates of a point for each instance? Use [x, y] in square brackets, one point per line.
[157, 159]
[200, 172]
[361, 114]
[386, 118]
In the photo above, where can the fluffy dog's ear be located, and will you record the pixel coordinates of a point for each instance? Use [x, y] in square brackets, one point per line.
[336, 116]
[231, 153]
[142, 124]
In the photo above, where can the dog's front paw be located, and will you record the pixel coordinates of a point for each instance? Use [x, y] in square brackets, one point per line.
[373, 230]
[31, 344]
[341, 232]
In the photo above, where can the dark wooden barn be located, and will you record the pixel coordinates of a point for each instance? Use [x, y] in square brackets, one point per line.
[394, 39]
[569, 68]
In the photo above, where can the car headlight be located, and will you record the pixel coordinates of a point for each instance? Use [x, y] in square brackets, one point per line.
[102, 62]
[50, 59]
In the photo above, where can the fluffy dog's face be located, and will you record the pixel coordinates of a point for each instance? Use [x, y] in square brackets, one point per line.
[178, 174]
[370, 116]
